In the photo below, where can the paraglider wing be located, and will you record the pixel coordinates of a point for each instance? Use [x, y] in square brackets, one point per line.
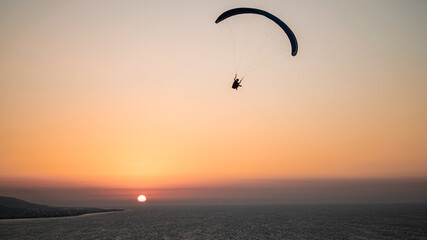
[286, 29]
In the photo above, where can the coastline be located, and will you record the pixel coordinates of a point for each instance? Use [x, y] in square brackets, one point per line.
[60, 217]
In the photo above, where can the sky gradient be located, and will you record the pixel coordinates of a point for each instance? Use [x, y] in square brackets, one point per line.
[137, 94]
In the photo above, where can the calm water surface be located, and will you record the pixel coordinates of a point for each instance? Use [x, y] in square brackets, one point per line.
[232, 222]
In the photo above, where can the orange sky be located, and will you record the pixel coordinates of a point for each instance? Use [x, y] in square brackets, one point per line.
[137, 93]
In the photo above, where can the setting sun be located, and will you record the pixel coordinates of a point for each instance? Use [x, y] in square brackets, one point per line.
[142, 198]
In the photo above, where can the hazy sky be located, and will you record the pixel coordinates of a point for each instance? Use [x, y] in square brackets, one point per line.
[137, 94]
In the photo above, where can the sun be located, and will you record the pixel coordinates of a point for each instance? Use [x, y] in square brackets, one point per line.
[142, 198]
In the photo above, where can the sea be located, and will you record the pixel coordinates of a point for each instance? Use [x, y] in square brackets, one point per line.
[340, 221]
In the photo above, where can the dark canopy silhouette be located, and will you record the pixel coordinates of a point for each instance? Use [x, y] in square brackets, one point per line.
[286, 29]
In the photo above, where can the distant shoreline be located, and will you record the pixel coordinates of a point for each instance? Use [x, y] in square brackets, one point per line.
[60, 217]
[14, 208]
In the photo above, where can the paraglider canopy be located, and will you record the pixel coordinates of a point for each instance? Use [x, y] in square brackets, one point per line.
[285, 28]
